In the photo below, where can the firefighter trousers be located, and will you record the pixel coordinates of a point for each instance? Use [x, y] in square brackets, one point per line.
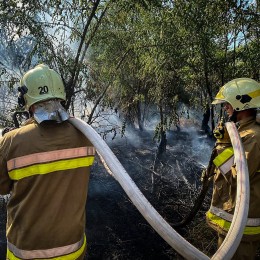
[247, 250]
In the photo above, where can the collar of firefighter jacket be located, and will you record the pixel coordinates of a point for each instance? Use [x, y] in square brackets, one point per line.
[242, 123]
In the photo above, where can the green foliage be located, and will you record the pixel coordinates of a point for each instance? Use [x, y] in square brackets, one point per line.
[132, 55]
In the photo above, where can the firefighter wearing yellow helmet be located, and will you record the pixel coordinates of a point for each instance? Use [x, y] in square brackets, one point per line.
[45, 165]
[241, 93]
[39, 85]
[241, 99]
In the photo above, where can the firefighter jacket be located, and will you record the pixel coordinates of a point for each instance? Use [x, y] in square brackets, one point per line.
[223, 201]
[45, 168]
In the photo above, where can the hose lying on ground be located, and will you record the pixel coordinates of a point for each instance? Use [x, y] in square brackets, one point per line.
[176, 241]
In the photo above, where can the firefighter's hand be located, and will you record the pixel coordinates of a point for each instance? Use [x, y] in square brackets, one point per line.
[221, 134]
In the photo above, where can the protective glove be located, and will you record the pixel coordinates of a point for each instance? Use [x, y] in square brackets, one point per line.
[221, 133]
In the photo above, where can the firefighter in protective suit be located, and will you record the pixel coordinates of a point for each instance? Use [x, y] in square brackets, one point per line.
[241, 98]
[45, 166]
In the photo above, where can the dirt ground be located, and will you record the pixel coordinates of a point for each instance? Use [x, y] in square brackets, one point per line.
[115, 228]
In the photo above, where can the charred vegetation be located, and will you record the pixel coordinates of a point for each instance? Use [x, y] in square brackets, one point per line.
[115, 228]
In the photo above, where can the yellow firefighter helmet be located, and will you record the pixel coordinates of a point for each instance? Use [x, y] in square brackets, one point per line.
[39, 84]
[241, 93]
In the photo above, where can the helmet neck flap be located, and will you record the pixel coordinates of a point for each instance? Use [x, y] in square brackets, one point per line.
[50, 110]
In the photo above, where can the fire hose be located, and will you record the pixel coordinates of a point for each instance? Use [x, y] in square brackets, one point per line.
[176, 241]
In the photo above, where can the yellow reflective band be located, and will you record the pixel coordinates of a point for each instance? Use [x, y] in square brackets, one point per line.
[224, 156]
[254, 94]
[226, 166]
[46, 168]
[50, 156]
[220, 94]
[224, 224]
[72, 256]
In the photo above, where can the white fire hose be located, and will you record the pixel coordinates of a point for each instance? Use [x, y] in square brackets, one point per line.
[176, 241]
[235, 233]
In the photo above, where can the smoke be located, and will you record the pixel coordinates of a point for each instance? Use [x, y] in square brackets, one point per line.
[187, 137]
[201, 144]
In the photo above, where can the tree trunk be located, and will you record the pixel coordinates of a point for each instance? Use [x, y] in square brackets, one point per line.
[139, 116]
[162, 133]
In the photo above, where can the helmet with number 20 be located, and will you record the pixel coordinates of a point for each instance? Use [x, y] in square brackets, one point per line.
[41, 83]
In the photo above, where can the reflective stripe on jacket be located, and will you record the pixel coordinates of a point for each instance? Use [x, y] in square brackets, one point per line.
[47, 162]
[70, 252]
[223, 220]
[225, 160]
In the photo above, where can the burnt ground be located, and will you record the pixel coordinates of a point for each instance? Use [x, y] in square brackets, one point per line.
[115, 228]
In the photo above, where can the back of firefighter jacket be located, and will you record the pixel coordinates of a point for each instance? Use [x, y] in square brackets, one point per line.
[46, 170]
